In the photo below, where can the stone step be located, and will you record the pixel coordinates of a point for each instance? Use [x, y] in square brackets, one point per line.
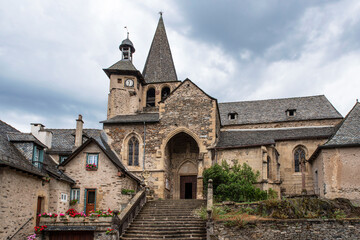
[167, 224]
[167, 228]
[168, 236]
[167, 219]
[135, 238]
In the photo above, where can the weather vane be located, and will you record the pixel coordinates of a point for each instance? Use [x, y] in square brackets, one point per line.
[127, 31]
[161, 13]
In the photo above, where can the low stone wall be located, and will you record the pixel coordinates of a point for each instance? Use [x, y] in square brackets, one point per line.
[290, 229]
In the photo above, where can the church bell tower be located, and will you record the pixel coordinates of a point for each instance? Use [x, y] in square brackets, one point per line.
[125, 83]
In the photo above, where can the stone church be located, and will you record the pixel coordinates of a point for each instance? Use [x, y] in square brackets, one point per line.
[167, 131]
[162, 133]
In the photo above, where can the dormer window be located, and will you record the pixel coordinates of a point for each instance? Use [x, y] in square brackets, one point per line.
[38, 157]
[291, 112]
[232, 116]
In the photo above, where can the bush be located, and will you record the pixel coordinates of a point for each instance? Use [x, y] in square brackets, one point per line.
[235, 183]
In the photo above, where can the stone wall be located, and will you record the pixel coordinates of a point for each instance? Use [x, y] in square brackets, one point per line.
[105, 180]
[289, 229]
[56, 205]
[18, 201]
[338, 173]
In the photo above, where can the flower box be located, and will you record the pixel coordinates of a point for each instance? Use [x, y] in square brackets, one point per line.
[91, 167]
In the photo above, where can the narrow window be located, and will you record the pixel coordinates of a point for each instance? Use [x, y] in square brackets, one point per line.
[133, 152]
[150, 98]
[92, 160]
[63, 197]
[75, 194]
[38, 157]
[299, 159]
[165, 92]
[268, 166]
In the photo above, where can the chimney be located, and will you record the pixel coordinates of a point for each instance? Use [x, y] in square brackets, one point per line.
[44, 136]
[79, 131]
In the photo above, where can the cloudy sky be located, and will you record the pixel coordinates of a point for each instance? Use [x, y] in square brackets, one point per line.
[52, 52]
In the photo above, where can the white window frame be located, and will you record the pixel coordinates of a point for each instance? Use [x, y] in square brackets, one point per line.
[64, 197]
[75, 194]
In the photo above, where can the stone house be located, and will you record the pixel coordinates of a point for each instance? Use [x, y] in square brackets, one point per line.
[44, 176]
[335, 164]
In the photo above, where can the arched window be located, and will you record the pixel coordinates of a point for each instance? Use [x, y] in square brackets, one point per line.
[165, 92]
[150, 97]
[133, 152]
[268, 166]
[299, 159]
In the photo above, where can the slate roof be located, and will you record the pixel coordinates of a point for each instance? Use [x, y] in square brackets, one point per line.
[247, 138]
[11, 156]
[63, 140]
[159, 65]
[125, 67]
[23, 137]
[348, 132]
[136, 118]
[274, 110]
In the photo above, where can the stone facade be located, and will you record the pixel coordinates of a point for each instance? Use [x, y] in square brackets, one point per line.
[105, 180]
[336, 173]
[187, 110]
[19, 198]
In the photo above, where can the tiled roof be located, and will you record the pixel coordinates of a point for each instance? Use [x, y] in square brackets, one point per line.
[136, 118]
[159, 65]
[349, 130]
[63, 140]
[243, 138]
[274, 110]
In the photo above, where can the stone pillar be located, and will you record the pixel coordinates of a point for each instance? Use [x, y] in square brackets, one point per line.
[79, 131]
[210, 195]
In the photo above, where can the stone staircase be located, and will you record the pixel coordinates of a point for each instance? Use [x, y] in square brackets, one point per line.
[168, 219]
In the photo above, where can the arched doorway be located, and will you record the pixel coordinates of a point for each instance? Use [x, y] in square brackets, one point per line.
[181, 170]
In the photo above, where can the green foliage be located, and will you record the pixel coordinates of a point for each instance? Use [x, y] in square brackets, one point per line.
[235, 183]
[339, 214]
[272, 194]
[127, 191]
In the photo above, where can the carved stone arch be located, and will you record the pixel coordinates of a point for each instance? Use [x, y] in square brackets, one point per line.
[202, 148]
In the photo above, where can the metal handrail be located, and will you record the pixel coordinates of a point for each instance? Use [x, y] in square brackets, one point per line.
[9, 238]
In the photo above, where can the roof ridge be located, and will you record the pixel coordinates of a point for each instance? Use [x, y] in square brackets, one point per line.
[9, 125]
[286, 98]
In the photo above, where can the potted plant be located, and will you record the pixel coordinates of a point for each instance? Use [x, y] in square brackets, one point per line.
[73, 202]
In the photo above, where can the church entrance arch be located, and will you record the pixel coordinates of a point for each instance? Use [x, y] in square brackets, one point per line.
[181, 170]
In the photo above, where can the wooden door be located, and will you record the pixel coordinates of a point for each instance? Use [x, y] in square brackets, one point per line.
[71, 235]
[90, 200]
[188, 186]
[38, 210]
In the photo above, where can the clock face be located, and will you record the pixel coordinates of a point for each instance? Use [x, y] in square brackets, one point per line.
[129, 83]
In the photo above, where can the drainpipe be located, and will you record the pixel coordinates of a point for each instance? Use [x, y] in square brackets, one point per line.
[144, 146]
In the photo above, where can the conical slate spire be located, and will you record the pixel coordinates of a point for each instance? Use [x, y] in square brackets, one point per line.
[159, 66]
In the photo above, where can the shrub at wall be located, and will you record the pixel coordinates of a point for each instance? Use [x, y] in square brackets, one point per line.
[234, 183]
